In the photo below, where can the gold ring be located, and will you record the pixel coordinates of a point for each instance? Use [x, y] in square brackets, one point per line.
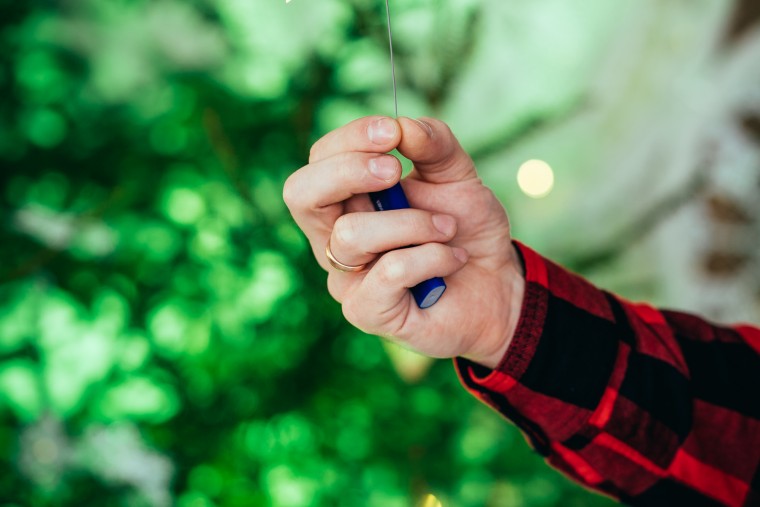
[339, 265]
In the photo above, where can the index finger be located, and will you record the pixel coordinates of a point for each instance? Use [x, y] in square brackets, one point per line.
[372, 134]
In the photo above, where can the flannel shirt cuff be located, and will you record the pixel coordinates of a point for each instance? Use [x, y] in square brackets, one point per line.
[527, 334]
[561, 358]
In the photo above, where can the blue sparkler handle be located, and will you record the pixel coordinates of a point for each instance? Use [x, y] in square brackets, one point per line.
[427, 293]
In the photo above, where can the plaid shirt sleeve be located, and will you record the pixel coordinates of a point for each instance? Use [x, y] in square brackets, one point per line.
[654, 408]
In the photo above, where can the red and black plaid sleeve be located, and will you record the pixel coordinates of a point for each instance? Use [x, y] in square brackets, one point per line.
[655, 408]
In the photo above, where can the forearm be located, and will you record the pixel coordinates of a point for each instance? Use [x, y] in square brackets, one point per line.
[624, 398]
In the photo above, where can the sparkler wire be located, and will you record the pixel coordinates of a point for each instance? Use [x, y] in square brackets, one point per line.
[393, 65]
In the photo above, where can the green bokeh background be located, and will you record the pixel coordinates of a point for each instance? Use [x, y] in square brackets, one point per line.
[165, 335]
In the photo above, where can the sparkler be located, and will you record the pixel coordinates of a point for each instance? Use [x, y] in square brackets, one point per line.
[427, 293]
[393, 64]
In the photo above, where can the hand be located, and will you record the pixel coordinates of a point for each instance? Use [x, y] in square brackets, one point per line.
[461, 231]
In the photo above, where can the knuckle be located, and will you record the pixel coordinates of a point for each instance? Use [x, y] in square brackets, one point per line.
[290, 190]
[345, 231]
[391, 269]
[314, 153]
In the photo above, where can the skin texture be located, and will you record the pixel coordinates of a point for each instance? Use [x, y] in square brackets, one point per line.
[460, 229]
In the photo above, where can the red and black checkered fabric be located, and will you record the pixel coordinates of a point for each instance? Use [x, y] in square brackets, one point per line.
[655, 408]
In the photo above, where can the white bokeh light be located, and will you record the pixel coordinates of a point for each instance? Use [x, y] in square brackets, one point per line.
[535, 178]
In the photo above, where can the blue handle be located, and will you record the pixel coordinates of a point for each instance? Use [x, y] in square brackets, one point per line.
[427, 293]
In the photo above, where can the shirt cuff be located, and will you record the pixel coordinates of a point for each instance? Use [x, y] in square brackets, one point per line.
[527, 334]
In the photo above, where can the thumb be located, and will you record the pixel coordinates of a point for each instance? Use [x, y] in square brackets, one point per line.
[436, 153]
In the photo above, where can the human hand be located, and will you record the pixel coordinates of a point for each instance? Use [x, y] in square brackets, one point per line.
[460, 230]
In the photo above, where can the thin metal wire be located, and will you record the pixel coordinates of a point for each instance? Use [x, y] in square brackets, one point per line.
[393, 65]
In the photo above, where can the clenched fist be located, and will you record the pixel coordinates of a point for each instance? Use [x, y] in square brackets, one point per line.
[457, 230]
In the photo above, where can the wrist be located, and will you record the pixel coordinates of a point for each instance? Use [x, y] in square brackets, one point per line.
[512, 286]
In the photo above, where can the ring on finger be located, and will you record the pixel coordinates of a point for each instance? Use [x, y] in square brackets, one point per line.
[345, 268]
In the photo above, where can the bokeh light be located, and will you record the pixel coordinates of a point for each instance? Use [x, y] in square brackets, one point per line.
[430, 501]
[535, 178]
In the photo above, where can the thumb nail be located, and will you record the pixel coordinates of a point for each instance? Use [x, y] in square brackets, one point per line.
[425, 126]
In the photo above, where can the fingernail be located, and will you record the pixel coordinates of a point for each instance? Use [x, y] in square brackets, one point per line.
[426, 127]
[382, 131]
[445, 224]
[383, 168]
[461, 254]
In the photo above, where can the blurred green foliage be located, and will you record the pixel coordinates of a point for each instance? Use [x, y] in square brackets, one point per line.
[165, 336]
